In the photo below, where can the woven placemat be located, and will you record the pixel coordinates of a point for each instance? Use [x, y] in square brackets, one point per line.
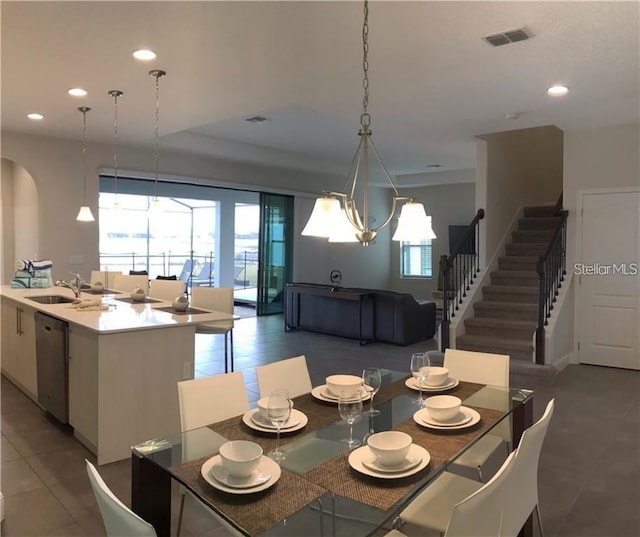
[267, 508]
[337, 476]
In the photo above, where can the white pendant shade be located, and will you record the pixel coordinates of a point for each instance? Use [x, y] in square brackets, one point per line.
[413, 225]
[326, 212]
[85, 214]
[342, 230]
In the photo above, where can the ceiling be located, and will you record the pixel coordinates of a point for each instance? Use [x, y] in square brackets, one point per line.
[434, 83]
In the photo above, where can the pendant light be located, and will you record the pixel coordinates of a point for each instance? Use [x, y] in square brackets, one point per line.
[115, 94]
[336, 215]
[155, 202]
[84, 214]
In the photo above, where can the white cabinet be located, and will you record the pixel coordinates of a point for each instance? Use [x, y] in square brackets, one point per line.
[83, 385]
[19, 346]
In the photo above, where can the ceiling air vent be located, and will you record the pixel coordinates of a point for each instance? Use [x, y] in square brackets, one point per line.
[504, 38]
[256, 119]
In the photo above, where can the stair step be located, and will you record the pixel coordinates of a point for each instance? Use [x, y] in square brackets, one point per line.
[526, 248]
[510, 293]
[515, 348]
[500, 328]
[514, 277]
[533, 235]
[518, 262]
[540, 211]
[545, 222]
[506, 310]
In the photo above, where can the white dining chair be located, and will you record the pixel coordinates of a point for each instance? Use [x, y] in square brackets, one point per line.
[166, 289]
[107, 277]
[461, 507]
[207, 400]
[118, 519]
[127, 282]
[523, 497]
[482, 368]
[291, 374]
[216, 299]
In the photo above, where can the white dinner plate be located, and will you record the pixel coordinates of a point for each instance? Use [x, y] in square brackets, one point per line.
[266, 466]
[409, 463]
[459, 419]
[411, 383]
[297, 421]
[358, 457]
[422, 415]
[321, 392]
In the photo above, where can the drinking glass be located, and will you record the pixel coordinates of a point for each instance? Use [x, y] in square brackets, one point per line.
[278, 411]
[350, 409]
[372, 380]
[420, 370]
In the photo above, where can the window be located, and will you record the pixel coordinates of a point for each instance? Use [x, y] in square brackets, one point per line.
[415, 259]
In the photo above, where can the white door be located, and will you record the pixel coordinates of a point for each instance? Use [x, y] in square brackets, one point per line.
[608, 276]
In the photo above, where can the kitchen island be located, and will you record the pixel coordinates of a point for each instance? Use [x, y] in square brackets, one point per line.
[123, 364]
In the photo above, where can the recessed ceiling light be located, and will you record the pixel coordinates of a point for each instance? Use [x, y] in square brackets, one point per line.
[144, 54]
[557, 91]
[513, 115]
[77, 92]
[35, 116]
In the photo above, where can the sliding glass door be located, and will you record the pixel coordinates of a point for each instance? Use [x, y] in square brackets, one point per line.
[275, 256]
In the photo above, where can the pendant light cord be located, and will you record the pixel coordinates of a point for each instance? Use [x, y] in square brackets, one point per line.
[365, 118]
[115, 94]
[157, 74]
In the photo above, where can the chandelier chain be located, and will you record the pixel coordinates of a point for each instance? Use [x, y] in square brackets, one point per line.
[365, 118]
[157, 74]
[84, 111]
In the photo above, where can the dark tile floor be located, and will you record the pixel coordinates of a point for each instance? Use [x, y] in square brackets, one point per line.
[589, 469]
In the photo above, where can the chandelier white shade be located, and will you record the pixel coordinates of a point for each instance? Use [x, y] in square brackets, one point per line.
[336, 215]
[85, 214]
[413, 225]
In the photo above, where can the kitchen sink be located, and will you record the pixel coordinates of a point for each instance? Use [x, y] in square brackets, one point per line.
[51, 299]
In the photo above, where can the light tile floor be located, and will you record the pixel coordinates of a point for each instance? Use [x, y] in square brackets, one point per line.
[589, 469]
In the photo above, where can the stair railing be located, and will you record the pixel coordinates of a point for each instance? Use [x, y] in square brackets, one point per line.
[457, 271]
[551, 268]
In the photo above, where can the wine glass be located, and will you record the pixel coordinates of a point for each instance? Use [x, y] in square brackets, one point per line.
[420, 370]
[350, 409]
[278, 412]
[372, 380]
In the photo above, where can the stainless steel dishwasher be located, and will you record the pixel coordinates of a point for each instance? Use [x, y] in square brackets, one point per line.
[52, 356]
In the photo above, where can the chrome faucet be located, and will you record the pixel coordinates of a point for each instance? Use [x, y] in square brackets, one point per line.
[75, 285]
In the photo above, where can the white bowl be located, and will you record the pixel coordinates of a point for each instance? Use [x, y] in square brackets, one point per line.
[437, 376]
[263, 410]
[390, 448]
[443, 407]
[180, 303]
[350, 384]
[240, 457]
[138, 295]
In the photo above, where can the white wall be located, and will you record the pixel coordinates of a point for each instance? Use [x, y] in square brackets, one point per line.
[7, 221]
[56, 168]
[522, 167]
[598, 158]
[448, 205]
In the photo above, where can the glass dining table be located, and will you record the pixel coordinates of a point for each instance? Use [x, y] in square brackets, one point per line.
[323, 487]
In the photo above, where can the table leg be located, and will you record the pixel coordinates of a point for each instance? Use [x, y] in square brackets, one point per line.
[151, 494]
[522, 419]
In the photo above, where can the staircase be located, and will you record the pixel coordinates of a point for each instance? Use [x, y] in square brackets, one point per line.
[506, 319]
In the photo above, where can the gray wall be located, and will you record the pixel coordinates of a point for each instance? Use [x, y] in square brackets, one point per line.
[448, 205]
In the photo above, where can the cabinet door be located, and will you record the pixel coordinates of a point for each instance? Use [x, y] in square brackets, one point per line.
[10, 336]
[27, 368]
[83, 383]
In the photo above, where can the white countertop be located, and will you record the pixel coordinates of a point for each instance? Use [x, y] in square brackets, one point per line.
[120, 317]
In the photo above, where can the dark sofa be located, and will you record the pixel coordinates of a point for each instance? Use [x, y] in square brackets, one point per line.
[368, 314]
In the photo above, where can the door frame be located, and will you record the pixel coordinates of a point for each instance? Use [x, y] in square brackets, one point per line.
[578, 315]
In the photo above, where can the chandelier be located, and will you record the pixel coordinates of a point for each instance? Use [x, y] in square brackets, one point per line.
[336, 215]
